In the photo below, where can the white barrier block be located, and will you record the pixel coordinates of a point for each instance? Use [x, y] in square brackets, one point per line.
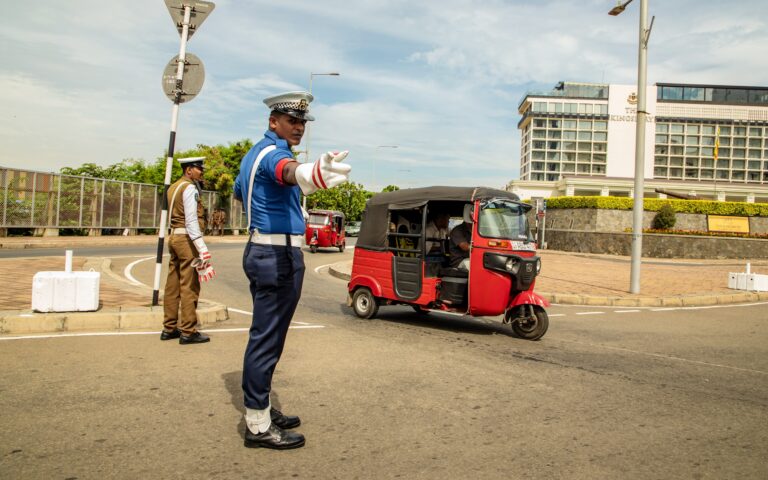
[65, 291]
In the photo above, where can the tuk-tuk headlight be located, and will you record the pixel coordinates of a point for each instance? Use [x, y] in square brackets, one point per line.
[538, 266]
[512, 265]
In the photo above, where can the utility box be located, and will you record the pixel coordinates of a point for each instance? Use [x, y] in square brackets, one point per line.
[65, 291]
[752, 282]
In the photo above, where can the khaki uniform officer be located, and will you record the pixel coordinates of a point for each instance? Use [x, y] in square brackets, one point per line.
[190, 259]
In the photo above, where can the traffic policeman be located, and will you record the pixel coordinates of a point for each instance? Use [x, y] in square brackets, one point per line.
[269, 185]
[190, 259]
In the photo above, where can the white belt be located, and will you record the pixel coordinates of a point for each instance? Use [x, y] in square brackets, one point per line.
[277, 239]
[179, 231]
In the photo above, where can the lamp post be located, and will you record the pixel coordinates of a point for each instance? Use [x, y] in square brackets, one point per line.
[637, 208]
[374, 159]
[306, 149]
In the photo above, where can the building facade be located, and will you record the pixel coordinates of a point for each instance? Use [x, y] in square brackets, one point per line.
[706, 140]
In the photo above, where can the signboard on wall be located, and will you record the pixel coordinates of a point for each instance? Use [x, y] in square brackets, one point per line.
[719, 223]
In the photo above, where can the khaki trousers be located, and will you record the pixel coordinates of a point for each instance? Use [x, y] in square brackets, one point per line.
[182, 288]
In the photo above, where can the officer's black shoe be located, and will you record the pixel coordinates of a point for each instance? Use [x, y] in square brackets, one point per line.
[275, 438]
[284, 421]
[175, 333]
[196, 337]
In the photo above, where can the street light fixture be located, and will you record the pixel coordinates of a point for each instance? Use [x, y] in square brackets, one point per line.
[637, 207]
[306, 148]
[374, 159]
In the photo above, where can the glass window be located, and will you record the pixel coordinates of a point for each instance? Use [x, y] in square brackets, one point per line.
[758, 96]
[737, 175]
[583, 168]
[569, 168]
[722, 174]
[691, 150]
[537, 165]
[539, 123]
[553, 155]
[672, 93]
[537, 155]
[691, 162]
[598, 157]
[737, 164]
[569, 145]
[600, 147]
[755, 132]
[675, 172]
[722, 164]
[708, 129]
[554, 133]
[585, 108]
[693, 93]
[740, 131]
[598, 169]
[569, 156]
[569, 134]
[755, 142]
[539, 133]
[739, 142]
[676, 150]
[553, 145]
[585, 125]
[569, 124]
[657, 160]
[585, 135]
[725, 141]
[694, 173]
[571, 108]
[554, 124]
[676, 161]
[737, 95]
[584, 157]
[538, 144]
[660, 138]
[725, 130]
[662, 127]
[707, 162]
[558, 107]
[676, 128]
[753, 153]
[691, 140]
[707, 151]
[707, 140]
[692, 129]
[676, 139]
[738, 153]
[662, 149]
[599, 125]
[753, 165]
[660, 172]
[707, 173]
[584, 147]
[600, 136]
[602, 109]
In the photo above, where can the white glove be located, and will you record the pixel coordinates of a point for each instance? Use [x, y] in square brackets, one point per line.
[325, 172]
[202, 251]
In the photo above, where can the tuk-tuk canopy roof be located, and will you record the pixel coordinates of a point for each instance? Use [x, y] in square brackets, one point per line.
[373, 232]
[335, 213]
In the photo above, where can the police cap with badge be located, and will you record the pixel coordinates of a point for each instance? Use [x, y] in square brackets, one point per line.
[192, 162]
[295, 104]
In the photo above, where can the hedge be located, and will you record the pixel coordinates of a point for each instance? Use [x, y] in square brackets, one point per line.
[706, 207]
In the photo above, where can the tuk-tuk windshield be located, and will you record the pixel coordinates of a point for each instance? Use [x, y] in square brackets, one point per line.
[501, 218]
[318, 219]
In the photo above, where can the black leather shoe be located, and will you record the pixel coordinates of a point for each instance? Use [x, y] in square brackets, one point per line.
[284, 421]
[175, 333]
[275, 438]
[196, 337]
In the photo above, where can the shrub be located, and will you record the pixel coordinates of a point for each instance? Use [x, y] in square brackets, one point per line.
[665, 218]
[707, 207]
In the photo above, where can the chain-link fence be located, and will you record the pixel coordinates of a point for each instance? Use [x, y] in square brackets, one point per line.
[49, 200]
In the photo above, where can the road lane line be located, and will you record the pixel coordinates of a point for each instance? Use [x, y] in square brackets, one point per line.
[129, 267]
[626, 311]
[556, 315]
[589, 313]
[669, 357]
[250, 314]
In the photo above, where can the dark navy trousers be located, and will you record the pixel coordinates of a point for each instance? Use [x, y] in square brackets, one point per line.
[276, 275]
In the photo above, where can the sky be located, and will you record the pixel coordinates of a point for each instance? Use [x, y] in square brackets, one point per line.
[80, 82]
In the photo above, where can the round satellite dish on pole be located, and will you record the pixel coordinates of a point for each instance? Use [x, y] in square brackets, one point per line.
[192, 79]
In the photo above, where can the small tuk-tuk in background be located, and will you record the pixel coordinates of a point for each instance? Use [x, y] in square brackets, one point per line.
[325, 228]
[392, 265]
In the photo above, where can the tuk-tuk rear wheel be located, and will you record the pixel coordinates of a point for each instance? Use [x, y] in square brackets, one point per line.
[364, 303]
[531, 326]
[313, 248]
[341, 247]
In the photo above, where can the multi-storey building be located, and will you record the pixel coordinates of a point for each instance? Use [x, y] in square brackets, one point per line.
[707, 140]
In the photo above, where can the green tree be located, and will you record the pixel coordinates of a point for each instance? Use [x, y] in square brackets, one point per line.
[391, 188]
[348, 198]
[665, 218]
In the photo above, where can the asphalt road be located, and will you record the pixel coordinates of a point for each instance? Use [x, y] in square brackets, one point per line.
[607, 393]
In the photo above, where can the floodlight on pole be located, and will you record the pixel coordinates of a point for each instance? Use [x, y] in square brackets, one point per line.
[637, 206]
[306, 131]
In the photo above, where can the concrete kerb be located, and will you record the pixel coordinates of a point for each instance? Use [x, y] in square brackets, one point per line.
[342, 270]
[20, 322]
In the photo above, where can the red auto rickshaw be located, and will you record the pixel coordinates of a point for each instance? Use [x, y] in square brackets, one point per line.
[392, 266]
[325, 228]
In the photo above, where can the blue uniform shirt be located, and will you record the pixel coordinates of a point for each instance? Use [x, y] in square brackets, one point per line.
[275, 206]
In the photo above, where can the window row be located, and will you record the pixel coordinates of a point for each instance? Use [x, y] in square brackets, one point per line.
[714, 95]
[710, 163]
[571, 124]
[583, 146]
[673, 173]
[710, 152]
[724, 142]
[571, 135]
[569, 156]
[568, 107]
[695, 129]
[567, 168]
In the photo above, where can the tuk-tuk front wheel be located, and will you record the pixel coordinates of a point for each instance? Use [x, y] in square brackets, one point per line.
[528, 321]
[313, 248]
[341, 247]
[364, 303]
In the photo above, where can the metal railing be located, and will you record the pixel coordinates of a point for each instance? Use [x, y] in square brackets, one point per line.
[51, 200]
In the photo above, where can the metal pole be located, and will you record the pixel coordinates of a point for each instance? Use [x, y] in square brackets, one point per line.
[169, 160]
[34, 188]
[82, 194]
[637, 209]
[306, 152]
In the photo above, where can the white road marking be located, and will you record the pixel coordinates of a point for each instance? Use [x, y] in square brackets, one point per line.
[129, 267]
[556, 315]
[250, 314]
[669, 357]
[589, 313]
[626, 311]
